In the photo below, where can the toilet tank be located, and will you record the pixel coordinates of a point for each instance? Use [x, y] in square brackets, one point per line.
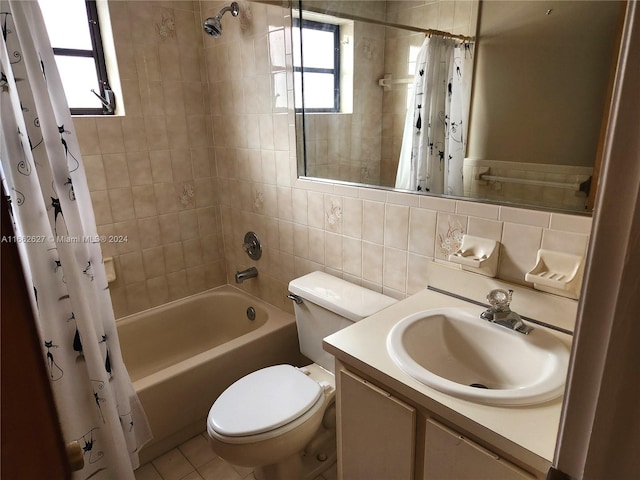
[330, 304]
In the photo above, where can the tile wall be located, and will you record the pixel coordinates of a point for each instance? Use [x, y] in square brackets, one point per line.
[383, 240]
[206, 152]
[151, 172]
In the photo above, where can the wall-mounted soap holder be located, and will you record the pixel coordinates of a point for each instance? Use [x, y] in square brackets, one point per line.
[477, 254]
[109, 267]
[557, 272]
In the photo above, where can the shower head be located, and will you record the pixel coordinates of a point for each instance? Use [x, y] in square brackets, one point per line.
[213, 25]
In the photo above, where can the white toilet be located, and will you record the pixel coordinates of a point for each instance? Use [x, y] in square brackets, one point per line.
[280, 419]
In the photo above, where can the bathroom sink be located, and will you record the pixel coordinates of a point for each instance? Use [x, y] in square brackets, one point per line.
[456, 352]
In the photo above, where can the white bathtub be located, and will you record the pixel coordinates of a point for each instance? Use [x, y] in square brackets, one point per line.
[182, 355]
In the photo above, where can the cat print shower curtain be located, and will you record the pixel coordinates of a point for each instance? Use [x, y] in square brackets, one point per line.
[43, 176]
[435, 133]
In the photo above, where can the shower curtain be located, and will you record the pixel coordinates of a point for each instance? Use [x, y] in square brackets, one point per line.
[43, 175]
[434, 139]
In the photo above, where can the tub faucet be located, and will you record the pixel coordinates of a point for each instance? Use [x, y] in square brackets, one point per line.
[246, 274]
[500, 313]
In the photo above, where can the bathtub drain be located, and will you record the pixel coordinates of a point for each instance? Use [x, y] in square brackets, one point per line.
[251, 313]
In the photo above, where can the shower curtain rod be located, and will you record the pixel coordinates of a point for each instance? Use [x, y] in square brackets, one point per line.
[463, 38]
[426, 31]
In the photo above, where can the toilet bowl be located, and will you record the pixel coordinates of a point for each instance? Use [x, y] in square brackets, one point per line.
[270, 415]
[279, 419]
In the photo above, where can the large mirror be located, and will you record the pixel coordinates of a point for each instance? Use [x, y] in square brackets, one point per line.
[541, 74]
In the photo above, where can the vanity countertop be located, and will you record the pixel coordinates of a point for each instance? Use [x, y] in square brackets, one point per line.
[525, 432]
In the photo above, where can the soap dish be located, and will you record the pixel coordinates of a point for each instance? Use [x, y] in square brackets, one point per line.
[557, 272]
[109, 268]
[477, 254]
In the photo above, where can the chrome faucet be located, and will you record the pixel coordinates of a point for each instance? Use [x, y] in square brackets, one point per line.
[501, 314]
[246, 274]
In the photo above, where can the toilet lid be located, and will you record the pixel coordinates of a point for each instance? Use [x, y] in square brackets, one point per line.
[263, 400]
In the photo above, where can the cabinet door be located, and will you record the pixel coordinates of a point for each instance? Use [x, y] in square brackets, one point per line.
[376, 432]
[450, 456]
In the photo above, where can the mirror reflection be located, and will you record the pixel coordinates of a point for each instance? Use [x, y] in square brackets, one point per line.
[529, 119]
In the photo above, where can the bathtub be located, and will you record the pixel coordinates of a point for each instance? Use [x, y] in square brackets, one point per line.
[182, 355]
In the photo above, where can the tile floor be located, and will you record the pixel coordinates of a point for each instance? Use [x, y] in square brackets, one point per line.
[194, 460]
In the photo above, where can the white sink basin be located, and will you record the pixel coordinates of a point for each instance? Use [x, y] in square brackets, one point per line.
[456, 352]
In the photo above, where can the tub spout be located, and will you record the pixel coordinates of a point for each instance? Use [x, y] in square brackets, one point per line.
[246, 274]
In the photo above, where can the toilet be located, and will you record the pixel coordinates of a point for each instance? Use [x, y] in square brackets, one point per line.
[280, 420]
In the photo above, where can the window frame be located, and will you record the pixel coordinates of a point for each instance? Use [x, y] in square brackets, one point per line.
[302, 24]
[97, 53]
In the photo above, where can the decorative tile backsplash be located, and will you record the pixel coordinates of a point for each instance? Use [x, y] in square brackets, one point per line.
[450, 233]
[166, 28]
[215, 157]
[186, 197]
[333, 214]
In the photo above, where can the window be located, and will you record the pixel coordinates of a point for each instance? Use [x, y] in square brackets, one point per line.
[74, 33]
[320, 76]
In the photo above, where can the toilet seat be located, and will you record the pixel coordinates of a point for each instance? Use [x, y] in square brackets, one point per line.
[263, 401]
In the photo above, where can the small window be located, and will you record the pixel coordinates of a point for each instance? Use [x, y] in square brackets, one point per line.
[74, 32]
[318, 82]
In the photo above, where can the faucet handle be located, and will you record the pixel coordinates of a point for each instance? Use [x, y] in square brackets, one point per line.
[500, 299]
[251, 246]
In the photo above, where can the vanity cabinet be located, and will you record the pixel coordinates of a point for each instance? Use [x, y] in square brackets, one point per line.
[449, 455]
[382, 437]
[376, 432]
